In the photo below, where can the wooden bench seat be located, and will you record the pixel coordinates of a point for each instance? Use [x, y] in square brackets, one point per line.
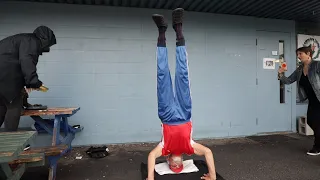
[38, 154]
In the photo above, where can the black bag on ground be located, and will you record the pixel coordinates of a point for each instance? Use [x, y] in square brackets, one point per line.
[98, 152]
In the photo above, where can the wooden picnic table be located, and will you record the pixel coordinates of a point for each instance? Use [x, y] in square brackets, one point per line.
[11, 145]
[61, 115]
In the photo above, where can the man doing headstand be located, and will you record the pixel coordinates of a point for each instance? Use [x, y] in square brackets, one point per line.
[175, 110]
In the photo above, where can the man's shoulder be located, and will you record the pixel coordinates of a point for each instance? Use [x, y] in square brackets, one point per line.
[28, 37]
[17, 38]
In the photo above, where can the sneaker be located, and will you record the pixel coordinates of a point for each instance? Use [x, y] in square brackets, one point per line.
[160, 21]
[27, 147]
[177, 16]
[313, 152]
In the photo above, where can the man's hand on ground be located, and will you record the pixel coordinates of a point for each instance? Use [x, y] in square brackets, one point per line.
[208, 177]
[201, 150]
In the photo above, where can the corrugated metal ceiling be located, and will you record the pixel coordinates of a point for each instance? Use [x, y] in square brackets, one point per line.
[299, 10]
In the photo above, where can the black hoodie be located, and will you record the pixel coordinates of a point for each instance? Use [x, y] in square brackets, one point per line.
[18, 60]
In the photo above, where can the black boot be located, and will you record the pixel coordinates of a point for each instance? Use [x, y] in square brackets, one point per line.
[177, 20]
[177, 17]
[160, 21]
[162, 28]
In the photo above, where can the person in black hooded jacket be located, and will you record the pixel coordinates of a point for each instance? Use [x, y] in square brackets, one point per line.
[18, 60]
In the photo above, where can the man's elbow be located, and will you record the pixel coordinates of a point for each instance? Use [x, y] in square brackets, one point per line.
[151, 154]
[207, 151]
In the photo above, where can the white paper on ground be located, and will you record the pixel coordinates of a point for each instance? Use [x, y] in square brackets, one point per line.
[188, 167]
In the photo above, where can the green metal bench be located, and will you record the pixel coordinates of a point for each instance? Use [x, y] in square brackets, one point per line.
[11, 146]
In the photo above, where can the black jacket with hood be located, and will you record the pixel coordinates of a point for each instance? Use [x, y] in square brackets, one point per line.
[18, 60]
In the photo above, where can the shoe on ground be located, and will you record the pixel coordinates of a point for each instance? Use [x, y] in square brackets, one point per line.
[27, 147]
[314, 152]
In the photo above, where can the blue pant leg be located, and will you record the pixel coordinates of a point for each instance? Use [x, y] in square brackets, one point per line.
[164, 86]
[182, 85]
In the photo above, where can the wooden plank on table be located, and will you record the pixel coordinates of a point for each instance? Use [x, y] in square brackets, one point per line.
[49, 111]
[10, 148]
[6, 157]
[35, 157]
[12, 140]
[6, 154]
[18, 133]
[15, 138]
[28, 158]
[48, 150]
[36, 164]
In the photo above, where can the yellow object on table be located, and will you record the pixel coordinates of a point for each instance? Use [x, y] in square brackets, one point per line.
[43, 89]
[282, 63]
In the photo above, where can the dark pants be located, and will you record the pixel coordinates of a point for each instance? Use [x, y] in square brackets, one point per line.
[10, 113]
[313, 119]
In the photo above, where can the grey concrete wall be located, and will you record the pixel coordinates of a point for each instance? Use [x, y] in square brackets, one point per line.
[105, 63]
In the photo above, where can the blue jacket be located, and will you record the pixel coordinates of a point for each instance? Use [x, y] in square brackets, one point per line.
[313, 75]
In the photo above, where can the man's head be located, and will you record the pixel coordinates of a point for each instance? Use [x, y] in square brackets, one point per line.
[304, 54]
[46, 36]
[175, 163]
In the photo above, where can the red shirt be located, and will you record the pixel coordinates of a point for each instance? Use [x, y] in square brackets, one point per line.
[177, 139]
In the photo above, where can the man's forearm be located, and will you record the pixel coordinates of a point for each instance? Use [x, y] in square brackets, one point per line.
[201, 150]
[153, 155]
[210, 163]
[151, 165]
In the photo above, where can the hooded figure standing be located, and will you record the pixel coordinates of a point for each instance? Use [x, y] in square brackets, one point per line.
[18, 60]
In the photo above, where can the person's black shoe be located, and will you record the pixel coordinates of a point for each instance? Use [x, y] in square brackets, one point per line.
[177, 16]
[27, 147]
[160, 21]
[314, 152]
